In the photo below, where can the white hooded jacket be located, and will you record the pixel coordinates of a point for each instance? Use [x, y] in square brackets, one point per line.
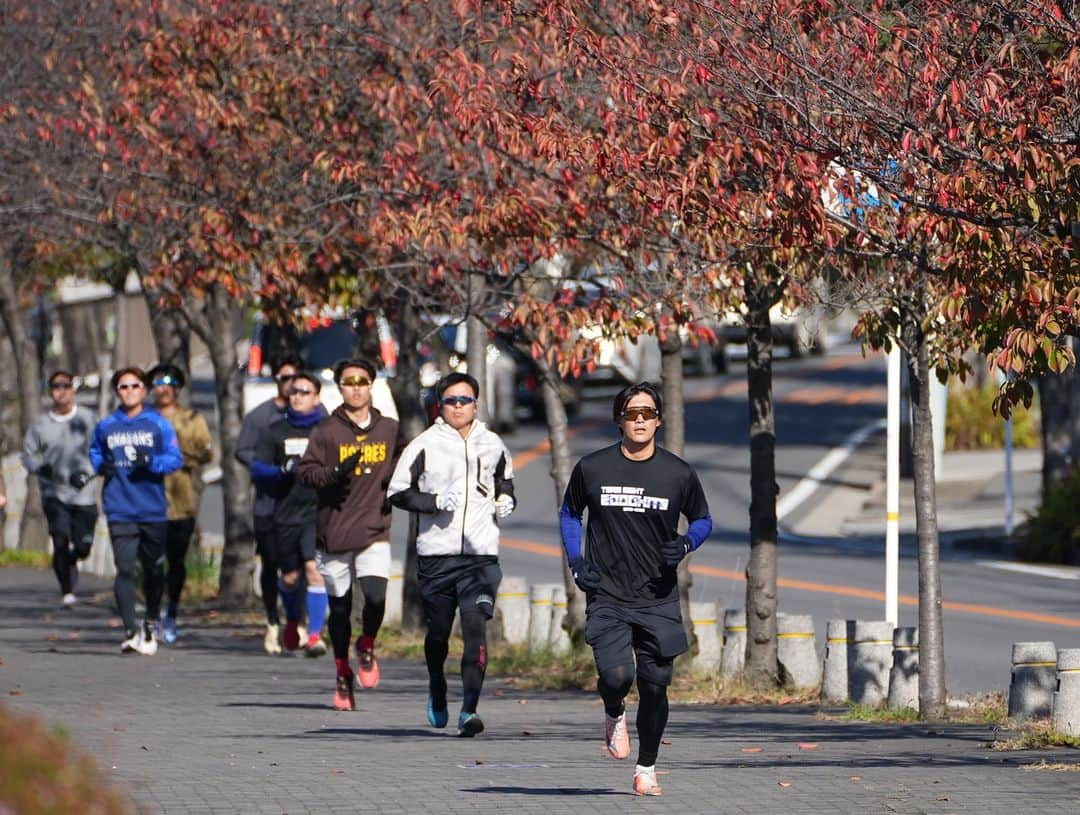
[440, 462]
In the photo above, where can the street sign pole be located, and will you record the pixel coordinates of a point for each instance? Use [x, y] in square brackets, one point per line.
[892, 489]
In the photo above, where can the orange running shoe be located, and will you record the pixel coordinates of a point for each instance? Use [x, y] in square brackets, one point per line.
[368, 671]
[645, 782]
[343, 693]
[617, 738]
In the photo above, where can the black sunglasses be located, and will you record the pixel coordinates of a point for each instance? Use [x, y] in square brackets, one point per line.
[62, 386]
[301, 391]
[283, 378]
[457, 401]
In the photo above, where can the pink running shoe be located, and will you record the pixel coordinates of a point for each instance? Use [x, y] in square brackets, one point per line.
[617, 737]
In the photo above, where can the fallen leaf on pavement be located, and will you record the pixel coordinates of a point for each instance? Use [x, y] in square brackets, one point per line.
[338, 772]
[784, 783]
[14, 692]
[807, 746]
[752, 749]
[523, 701]
[943, 798]
[665, 741]
[856, 778]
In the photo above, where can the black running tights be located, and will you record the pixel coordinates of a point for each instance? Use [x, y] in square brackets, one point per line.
[652, 714]
[177, 539]
[473, 658]
[340, 625]
[374, 589]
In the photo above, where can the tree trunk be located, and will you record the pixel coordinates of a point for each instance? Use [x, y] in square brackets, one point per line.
[762, 667]
[476, 362]
[561, 466]
[931, 634]
[172, 336]
[211, 319]
[674, 427]
[33, 534]
[1060, 423]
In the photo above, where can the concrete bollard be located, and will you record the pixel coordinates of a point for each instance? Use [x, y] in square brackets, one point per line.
[512, 608]
[540, 614]
[395, 593]
[838, 637]
[904, 676]
[703, 617]
[1066, 717]
[558, 637]
[796, 651]
[1034, 677]
[869, 661]
[733, 658]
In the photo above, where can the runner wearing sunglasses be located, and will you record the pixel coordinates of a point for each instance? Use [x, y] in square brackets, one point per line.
[349, 460]
[56, 450]
[634, 492]
[276, 463]
[134, 448]
[457, 475]
[257, 426]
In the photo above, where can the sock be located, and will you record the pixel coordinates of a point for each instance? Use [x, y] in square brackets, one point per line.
[290, 598]
[365, 643]
[638, 769]
[343, 668]
[317, 606]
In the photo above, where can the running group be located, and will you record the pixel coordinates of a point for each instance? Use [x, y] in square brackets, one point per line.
[325, 485]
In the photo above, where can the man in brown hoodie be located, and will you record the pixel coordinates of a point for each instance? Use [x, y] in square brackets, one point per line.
[349, 461]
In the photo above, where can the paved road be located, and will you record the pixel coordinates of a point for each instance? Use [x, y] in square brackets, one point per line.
[215, 726]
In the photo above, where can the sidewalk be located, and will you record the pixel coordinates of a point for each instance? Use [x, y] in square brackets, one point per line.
[216, 726]
[970, 492]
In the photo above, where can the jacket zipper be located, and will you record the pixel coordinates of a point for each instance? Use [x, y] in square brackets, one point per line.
[465, 508]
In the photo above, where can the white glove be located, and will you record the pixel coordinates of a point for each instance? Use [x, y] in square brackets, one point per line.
[504, 505]
[447, 501]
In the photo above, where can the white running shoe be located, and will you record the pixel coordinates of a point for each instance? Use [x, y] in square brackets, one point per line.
[147, 641]
[272, 638]
[69, 600]
[645, 781]
[130, 645]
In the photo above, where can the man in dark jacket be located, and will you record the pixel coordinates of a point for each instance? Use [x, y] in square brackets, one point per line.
[349, 461]
[277, 460]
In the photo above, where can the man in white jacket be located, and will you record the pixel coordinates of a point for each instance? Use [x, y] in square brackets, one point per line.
[457, 475]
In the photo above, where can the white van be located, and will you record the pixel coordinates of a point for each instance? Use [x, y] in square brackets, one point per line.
[325, 340]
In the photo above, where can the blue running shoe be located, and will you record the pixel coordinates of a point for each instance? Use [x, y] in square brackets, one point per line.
[168, 630]
[469, 725]
[436, 718]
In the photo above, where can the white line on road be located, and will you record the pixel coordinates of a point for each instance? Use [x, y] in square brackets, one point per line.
[833, 459]
[1057, 572]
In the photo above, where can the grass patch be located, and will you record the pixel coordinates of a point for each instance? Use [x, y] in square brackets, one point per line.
[1037, 735]
[694, 687]
[203, 568]
[25, 559]
[869, 713]
[1051, 766]
[43, 773]
[989, 708]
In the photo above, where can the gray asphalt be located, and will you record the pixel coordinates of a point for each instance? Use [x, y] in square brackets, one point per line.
[215, 726]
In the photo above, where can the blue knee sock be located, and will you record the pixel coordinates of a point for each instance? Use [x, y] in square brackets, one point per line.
[317, 605]
[290, 599]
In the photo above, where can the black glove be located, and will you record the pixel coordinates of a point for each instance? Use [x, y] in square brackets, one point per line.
[586, 575]
[142, 459]
[45, 470]
[347, 467]
[289, 465]
[674, 550]
[79, 480]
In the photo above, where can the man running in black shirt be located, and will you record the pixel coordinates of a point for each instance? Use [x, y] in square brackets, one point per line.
[634, 492]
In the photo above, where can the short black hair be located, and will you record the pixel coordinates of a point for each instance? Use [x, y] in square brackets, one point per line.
[356, 362]
[454, 378]
[309, 377]
[286, 359]
[624, 396]
[125, 371]
[171, 371]
[62, 372]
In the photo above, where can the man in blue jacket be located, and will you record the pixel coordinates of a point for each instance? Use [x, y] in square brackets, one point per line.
[133, 449]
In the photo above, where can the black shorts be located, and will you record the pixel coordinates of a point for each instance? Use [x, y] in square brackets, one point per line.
[295, 545]
[468, 581]
[71, 521]
[654, 634]
[264, 538]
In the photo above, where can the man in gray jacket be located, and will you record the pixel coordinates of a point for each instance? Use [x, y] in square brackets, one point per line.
[256, 427]
[56, 450]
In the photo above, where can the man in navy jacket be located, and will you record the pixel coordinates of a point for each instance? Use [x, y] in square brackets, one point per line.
[133, 448]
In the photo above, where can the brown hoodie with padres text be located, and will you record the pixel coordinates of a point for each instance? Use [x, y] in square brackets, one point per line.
[353, 512]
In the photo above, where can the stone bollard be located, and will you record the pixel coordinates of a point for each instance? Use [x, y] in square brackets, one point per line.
[540, 615]
[1034, 676]
[395, 593]
[838, 637]
[1067, 696]
[733, 658]
[796, 651]
[869, 661]
[904, 676]
[703, 617]
[558, 637]
[512, 608]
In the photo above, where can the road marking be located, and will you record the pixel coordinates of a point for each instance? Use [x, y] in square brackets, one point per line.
[838, 590]
[1057, 572]
[527, 457]
[813, 479]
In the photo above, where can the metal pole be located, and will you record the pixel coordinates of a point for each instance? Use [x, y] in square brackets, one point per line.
[1008, 477]
[892, 490]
